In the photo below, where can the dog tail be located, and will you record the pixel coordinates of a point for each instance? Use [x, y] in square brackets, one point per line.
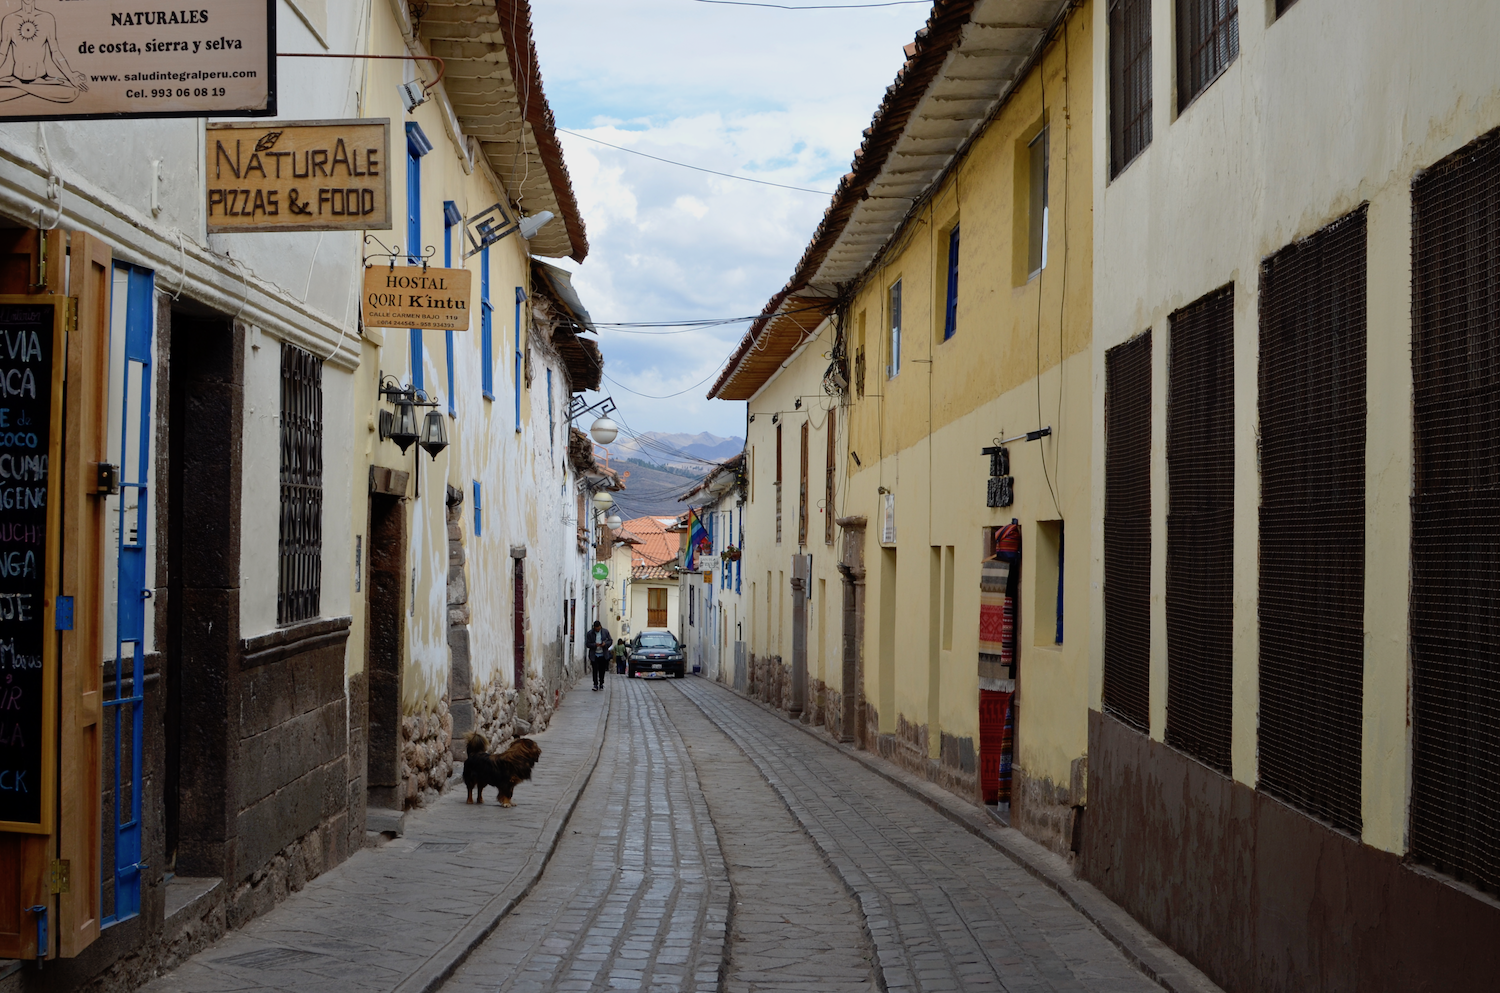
[476, 742]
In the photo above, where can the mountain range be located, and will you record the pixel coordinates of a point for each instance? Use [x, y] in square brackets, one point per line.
[693, 452]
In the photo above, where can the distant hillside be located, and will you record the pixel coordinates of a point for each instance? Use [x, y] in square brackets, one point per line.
[650, 491]
[681, 451]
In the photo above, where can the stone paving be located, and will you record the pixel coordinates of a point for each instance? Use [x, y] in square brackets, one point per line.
[397, 917]
[945, 910]
[637, 895]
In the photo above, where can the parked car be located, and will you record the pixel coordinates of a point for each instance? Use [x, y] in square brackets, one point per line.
[657, 652]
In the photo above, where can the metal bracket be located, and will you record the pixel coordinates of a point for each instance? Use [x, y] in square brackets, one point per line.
[106, 479]
[60, 879]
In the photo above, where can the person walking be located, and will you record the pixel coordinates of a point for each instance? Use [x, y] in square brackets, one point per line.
[622, 656]
[596, 645]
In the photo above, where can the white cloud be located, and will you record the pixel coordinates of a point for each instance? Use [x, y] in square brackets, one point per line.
[778, 95]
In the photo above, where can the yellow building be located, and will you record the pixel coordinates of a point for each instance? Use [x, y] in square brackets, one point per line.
[943, 308]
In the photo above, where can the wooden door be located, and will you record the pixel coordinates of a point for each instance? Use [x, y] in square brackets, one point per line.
[656, 608]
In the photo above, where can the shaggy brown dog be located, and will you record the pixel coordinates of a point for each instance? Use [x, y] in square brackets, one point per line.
[501, 771]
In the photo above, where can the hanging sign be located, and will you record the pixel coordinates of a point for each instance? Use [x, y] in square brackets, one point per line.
[31, 332]
[298, 176]
[79, 59]
[601, 570]
[409, 296]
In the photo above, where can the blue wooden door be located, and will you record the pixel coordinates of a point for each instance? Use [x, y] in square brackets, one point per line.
[130, 526]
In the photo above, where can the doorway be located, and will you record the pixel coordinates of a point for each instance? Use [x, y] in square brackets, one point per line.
[205, 386]
[386, 613]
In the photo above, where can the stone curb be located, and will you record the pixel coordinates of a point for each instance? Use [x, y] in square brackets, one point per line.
[1140, 947]
[442, 964]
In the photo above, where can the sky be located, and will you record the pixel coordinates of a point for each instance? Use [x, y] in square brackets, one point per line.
[771, 94]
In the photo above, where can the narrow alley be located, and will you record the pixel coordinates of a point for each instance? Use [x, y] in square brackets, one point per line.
[679, 837]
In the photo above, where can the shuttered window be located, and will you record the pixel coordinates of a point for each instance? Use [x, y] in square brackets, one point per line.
[1129, 81]
[1208, 40]
[1312, 522]
[300, 562]
[802, 491]
[1455, 574]
[778, 484]
[1200, 528]
[828, 504]
[1127, 531]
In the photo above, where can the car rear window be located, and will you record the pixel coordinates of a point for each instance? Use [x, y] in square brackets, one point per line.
[658, 641]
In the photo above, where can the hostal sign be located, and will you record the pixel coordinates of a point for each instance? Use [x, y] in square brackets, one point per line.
[407, 296]
[299, 176]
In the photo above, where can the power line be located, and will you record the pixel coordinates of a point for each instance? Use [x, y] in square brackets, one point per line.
[824, 6]
[712, 172]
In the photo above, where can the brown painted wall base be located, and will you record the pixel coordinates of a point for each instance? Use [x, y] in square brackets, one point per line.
[1263, 898]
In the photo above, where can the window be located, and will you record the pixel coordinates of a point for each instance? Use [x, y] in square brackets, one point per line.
[300, 547]
[828, 503]
[520, 299]
[778, 484]
[1455, 587]
[451, 219]
[417, 146]
[1129, 82]
[656, 610]
[802, 492]
[1200, 528]
[1036, 232]
[1312, 522]
[551, 418]
[1127, 532]
[950, 315]
[692, 606]
[893, 367]
[1048, 570]
[478, 510]
[486, 328]
[859, 358]
[1208, 39]
[1282, 6]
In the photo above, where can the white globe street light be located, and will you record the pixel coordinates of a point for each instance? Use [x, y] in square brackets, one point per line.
[603, 500]
[604, 430]
[614, 522]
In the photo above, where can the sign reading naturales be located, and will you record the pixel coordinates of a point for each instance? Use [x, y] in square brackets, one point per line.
[417, 297]
[62, 59]
[298, 176]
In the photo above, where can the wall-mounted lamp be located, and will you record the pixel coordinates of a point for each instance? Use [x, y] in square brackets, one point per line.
[401, 426]
[529, 226]
[434, 434]
[604, 430]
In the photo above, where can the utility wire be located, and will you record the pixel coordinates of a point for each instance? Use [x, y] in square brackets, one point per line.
[712, 172]
[824, 6]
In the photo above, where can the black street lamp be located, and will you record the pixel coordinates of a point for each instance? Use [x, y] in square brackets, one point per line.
[401, 426]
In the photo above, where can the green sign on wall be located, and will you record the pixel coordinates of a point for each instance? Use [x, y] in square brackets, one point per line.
[601, 570]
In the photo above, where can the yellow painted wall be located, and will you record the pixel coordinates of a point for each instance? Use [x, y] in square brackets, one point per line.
[1019, 359]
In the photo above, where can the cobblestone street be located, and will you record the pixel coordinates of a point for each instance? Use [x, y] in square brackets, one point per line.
[707, 810]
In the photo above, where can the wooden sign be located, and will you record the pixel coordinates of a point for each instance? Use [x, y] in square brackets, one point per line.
[115, 58]
[409, 296]
[31, 334]
[298, 176]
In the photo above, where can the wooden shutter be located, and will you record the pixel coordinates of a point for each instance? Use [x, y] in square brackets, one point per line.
[802, 493]
[828, 513]
[82, 579]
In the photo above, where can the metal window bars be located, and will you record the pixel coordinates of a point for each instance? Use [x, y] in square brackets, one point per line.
[1208, 40]
[1127, 532]
[300, 566]
[1129, 81]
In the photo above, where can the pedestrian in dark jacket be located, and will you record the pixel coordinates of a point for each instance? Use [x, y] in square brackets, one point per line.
[596, 645]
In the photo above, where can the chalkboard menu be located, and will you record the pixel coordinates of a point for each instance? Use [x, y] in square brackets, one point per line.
[27, 648]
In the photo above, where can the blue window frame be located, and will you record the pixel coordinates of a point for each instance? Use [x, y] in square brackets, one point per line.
[132, 306]
[950, 319]
[478, 510]
[551, 420]
[486, 328]
[739, 563]
[451, 219]
[520, 299]
[417, 146]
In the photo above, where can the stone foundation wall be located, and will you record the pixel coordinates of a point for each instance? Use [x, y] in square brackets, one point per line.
[426, 754]
[1046, 811]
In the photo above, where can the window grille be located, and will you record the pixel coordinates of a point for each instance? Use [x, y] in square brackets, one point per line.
[1312, 522]
[1127, 531]
[778, 484]
[1129, 82]
[828, 506]
[1455, 577]
[1200, 528]
[1208, 40]
[300, 565]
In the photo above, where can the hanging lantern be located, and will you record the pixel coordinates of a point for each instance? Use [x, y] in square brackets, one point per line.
[603, 500]
[604, 430]
[404, 430]
[434, 434]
